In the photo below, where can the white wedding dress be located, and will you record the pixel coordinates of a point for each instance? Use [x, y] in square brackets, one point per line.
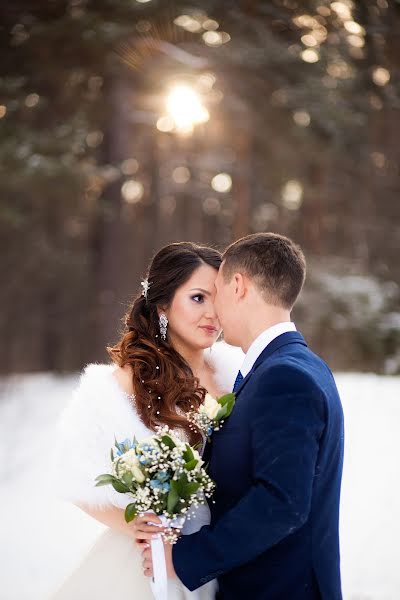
[100, 410]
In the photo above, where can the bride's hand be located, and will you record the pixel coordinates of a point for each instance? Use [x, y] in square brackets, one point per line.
[143, 529]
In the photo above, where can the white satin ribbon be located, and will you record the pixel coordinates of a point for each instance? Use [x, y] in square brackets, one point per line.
[159, 583]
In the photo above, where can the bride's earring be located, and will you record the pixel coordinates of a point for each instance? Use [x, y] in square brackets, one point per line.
[163, 324]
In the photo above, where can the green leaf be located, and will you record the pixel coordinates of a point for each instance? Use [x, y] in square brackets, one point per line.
[226, 398]
[230, 404]
[117, 465]
[221, 414]
[188, 454]
[104, 480]
[173, 497]
[227, 407]
[190, 489]
[119, 486]
[180, 505]
[127, 478]
[130, 512]
[181, 484]
[189, 466]
[119, 446]
[112, 455]
[168, 441]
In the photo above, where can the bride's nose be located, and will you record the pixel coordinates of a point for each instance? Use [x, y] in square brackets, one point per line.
[211, 313]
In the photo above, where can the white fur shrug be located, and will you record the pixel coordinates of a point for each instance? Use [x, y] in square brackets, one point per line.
[101, 411]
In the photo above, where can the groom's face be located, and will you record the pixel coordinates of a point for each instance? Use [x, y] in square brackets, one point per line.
[226, 307]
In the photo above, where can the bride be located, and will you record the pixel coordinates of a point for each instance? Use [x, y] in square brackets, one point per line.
[162, 367]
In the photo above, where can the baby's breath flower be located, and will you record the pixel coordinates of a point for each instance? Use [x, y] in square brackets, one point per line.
[147, 472]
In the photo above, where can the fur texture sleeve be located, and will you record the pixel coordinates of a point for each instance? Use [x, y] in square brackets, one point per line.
[98, 411]
[226, 361]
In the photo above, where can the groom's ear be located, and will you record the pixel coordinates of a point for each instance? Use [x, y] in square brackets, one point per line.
[240, 285]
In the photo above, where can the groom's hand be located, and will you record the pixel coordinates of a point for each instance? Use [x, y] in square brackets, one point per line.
[148, 561]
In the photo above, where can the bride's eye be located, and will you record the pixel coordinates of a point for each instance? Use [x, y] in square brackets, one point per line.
[198, 298]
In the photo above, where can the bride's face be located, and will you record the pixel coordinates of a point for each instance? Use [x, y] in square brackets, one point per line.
[192, 318]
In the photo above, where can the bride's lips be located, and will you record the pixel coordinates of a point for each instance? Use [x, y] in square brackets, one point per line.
[208, 328]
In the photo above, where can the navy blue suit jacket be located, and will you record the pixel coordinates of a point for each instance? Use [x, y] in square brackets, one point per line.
[277, 462]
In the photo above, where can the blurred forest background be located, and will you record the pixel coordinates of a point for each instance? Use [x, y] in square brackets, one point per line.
[129, 124]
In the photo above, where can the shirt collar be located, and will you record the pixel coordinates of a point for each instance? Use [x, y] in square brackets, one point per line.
[261, 342]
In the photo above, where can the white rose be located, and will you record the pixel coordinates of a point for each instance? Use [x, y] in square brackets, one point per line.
[197, 456]
[210, 406]
[138, 474]
[132, 465]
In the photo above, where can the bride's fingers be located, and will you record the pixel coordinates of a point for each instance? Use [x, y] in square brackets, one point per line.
[148, 572]
[147, 528]
[148, 535]
[147, 562]
[148, 518]
[141, 545]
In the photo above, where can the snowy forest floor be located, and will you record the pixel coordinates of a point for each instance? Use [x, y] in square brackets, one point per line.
[43, 538]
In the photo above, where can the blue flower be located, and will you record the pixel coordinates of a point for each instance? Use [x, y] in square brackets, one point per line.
[159, 485]
[162, 476]
[124, 446]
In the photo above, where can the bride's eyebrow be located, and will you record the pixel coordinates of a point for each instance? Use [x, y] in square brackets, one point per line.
[200, 290]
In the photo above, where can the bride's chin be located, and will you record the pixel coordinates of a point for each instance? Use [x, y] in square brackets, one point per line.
[206, 345]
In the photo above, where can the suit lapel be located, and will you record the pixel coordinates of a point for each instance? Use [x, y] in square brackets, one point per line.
[290, 337]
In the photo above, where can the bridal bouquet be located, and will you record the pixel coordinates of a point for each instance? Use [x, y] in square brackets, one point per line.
[161, 474]
[212, 413]
[164, 475]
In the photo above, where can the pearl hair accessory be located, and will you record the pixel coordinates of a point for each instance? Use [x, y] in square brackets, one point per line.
[146, 286]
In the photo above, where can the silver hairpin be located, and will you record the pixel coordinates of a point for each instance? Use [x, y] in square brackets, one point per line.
[146, 286]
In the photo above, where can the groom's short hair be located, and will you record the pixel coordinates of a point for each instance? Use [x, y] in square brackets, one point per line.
[275, 263]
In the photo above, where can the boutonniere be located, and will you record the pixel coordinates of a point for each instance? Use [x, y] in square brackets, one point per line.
[212, 414]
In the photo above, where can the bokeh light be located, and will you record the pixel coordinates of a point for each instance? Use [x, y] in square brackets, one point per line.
[165, 123]
[222, 183]
[189, 23]
[310, 55]
[132, 191]
[341, 9]
[129, 166]
[380, 76]
[94, 138]
[181, 175]
[302, 118]
[210, 25]
[185, 108]
[292, 194]
[212, 206]
[354, 27]
[31, 100]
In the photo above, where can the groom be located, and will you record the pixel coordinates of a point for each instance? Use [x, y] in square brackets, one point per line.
[277, 461]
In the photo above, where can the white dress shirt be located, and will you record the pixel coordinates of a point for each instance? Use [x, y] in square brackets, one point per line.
[261, 342]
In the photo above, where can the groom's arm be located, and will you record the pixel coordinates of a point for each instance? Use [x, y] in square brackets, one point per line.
[287, 423]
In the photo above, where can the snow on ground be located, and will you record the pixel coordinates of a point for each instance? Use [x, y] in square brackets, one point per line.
[42, 538]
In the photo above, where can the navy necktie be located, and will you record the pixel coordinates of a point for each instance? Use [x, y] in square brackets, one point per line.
[238, 382]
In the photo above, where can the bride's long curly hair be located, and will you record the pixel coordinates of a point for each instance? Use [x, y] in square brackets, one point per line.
[162, 379]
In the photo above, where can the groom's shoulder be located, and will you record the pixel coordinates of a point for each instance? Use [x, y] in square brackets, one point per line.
[302, 371]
